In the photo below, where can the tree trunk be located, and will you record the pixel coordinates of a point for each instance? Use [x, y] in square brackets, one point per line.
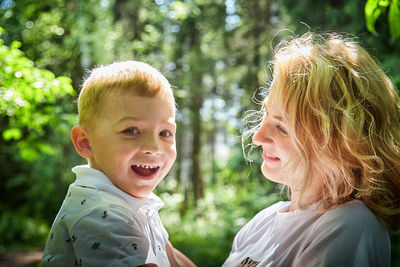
[198, 192]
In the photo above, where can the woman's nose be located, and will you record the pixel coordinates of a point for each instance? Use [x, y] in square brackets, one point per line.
[262, 135]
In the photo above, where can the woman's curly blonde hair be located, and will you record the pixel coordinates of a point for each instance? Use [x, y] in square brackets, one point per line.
[344, 117]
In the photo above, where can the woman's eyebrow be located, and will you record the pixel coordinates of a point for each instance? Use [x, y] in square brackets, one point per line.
[279, 118]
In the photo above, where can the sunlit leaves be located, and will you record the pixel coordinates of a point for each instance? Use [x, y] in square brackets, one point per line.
[179, 10]
[30, 101]
[372, 13]
[375, 8]
[12, 133]
[394, 18]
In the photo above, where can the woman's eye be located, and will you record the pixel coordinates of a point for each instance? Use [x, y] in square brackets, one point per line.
[282, 130]
[165, 133]
[131, 131]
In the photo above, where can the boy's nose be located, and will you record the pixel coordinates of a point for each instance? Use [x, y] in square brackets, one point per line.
[150, 145]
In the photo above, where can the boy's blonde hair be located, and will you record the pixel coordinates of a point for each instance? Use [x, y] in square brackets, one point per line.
[138, 77]
[344, 117]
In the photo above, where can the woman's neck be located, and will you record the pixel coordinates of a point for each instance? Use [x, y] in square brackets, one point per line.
[298, 201]
[302, 200]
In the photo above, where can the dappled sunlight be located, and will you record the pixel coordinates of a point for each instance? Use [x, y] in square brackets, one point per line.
[215, 55]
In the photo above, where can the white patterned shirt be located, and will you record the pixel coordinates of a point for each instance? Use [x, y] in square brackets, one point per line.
[100, 225]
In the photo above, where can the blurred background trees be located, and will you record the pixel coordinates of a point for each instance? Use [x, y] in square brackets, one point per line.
[214, 52]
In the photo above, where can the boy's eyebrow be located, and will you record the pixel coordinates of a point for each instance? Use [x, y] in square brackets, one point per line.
[136, 119]
[129, 118]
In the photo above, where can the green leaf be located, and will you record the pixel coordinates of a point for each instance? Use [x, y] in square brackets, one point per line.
[29, 154]
[394, 19]
[46, 148]
[372, 13]
[12, 133]
[384, 3]
[370, 6]
[16, 44]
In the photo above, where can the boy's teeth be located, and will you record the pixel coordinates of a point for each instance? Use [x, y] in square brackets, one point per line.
[146, 166]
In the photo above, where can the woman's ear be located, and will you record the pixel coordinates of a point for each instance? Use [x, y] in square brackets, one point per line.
[80, 138]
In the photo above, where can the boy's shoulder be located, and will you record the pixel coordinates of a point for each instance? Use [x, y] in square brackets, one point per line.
[84, 203]
[94, 222]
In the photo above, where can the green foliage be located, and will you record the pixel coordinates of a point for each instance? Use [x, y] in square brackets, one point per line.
[35, 119]
[375, 8]
[29, 102]
[395, 241]
[394, 18]
[213, 62]
[28, 231]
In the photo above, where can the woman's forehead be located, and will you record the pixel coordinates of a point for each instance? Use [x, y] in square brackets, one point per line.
[270, 97]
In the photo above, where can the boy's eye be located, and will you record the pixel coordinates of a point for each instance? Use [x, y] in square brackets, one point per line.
[282, 130]
[131, 131]
[165, 133]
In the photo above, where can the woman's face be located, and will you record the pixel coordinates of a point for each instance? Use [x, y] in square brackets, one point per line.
[277, 147]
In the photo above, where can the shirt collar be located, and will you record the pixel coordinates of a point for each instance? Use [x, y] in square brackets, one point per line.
[89, 177]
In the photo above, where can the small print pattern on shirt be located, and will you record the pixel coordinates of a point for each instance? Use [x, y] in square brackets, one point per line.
[248, 262]
[80, 201]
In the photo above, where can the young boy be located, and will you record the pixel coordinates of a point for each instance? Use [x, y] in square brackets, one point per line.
[127, 132]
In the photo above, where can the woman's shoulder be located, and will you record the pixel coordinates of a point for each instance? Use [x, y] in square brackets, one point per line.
[348, 235]
[353, 216]
[353, 211]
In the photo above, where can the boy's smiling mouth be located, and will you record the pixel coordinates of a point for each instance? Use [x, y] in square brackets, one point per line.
[145, 170]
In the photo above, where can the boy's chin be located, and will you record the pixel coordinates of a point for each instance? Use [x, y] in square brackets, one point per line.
[142, 193]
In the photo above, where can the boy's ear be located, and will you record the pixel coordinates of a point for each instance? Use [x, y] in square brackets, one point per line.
[80, 138]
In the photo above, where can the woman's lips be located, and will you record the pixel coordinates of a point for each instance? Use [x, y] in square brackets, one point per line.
[269, 158]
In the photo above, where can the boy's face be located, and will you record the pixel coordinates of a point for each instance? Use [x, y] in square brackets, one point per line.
[133, 142]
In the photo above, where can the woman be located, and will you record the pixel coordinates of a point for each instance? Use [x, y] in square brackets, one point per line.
[330, 132]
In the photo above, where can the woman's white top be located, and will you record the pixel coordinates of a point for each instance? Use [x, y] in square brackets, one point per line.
[349, 235]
